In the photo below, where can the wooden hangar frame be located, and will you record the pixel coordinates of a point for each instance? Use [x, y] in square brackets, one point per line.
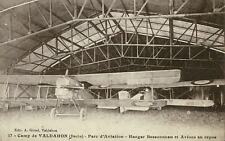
[128, 47]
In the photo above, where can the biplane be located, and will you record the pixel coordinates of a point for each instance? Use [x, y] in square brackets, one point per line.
[127, 91]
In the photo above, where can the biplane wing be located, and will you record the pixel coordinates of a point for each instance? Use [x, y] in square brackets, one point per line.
[168, 76]
[216, 82]
[111, 102]
[28, 79]
[43, 81]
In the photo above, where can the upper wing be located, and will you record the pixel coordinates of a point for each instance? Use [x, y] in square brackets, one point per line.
[141, 77]
[216, 82]
[34, 80]
[28, 79]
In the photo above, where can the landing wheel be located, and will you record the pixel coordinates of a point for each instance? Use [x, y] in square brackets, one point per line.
[53, 113]
[83, 113]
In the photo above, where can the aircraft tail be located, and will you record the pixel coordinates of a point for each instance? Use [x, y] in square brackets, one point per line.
[126, 95]
[123, 95]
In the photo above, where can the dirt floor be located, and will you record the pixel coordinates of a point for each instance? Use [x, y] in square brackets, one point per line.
[171, 123]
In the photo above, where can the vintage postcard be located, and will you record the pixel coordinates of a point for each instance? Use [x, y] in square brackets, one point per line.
[112, 70]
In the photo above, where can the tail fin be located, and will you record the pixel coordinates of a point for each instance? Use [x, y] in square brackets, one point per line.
[126, 95]
[123, 95]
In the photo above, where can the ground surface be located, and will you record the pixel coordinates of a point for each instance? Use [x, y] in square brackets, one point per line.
[185, 123]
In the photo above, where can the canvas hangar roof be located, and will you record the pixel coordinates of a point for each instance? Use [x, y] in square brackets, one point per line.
[42, 35]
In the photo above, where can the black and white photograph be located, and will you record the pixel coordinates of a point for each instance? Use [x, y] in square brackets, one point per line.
[112, 70]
